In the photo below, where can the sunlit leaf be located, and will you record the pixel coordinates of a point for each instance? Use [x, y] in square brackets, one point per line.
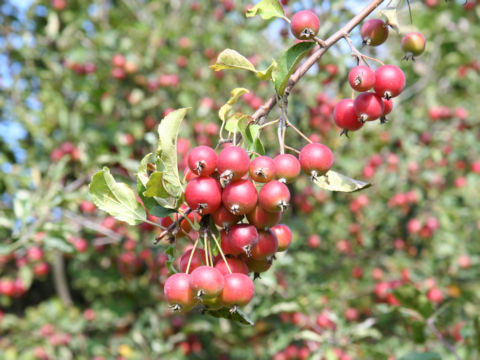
[267, 9]
[335, 181]
[117, 199]
[288, 62]
[231, 59]
[235, 95]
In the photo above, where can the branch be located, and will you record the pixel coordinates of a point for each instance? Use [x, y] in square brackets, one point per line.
[317, 54]
[60, 280]
[431, 325]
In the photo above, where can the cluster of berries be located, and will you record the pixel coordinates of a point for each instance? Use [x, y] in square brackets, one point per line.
[221, 195]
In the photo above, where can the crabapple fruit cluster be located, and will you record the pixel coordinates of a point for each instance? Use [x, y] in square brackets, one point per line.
[242, 199]
[387, 81]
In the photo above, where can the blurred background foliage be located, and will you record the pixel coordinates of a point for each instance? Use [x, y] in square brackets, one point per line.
[381, 274]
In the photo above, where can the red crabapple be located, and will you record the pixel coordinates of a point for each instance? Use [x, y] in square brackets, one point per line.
[203, 194]
[202, 160]
[262, 169]
[361, 78]
[178, 292]
[345, 116]
[238, 290]
[413, 44]
[304, 25]
[368, 106]
[274, 196]
[206, 281]
[389, 81]
[316, 159]
[374, 32]
[236, 266]
[232, 163]
[262, 219]
[240, 197]
[284, 236]
[288, 167]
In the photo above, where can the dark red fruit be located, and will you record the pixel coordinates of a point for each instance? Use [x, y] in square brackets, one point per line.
[266, 246]
[236, 266]
[316, 159]
[374, 32]
[202, 160]
[203, 194]
[262, 219]
[178, 292]
[198, 259]
[238, 290]
[388, 107]
[262, 169]
[361, 78]
[287, 167]
[345, 116]
[413, 44]
[206, 281]
[274, 196]
[368, 106]
[304, 25]
[241, 239]
[284, 236]
[232, 163]
[389, 81]
[240, 197]
[258, 266]
[223, 218]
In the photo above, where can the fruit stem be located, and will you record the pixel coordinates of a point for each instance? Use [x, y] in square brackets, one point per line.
[221, 251]
[191, 256]
[289, 124]
[293, 149]
[358, 55]
[205, 246]
[269, 123]
[172, 226]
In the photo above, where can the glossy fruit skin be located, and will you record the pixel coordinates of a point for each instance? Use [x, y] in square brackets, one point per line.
[203, 191]
[345, 116]
[258, 266]
[368, 106]
[241, 239]
[239, 197]
[316, 159]
[389, 81]
[225, 243]
[207, 281]
[238, 290]
[233, 160]
[288, 167]
[178, 291]
[202, 160]
[224, 218]
[284, 236]
[236, 265]
[413, 43]
[266, 246]
[388, 106]
[262, 219]
[374, 32]
[361, 78]
[274, 196]
[303, 20]
[262, 169]
[198, 259]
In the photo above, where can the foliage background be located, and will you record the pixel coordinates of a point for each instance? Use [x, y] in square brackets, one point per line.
[106, 300]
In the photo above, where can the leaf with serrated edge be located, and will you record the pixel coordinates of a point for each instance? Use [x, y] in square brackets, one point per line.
[155, 186]
[167, 149]
[117, 199]
[231, 59]
[235, 95]
[267, 9]
[288, 62]
[335, 181]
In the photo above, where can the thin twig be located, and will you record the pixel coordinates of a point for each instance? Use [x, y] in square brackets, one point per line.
[289, 124]
[431, 325]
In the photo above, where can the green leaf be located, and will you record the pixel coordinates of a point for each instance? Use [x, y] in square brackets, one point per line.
[267, 74]
[167, 150]
[171, 259]
[59, 244]
[235, 95]
[26, 275]
[267, 9]
[231, 59]
[252, 139]
[237, 315]
[391, 16]
[412, 298]
[421, 356]
[236, 122]
[334, 181]
[288, 62]
[142, 173]
[151, 204]
[155, 186]
[117, 199]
